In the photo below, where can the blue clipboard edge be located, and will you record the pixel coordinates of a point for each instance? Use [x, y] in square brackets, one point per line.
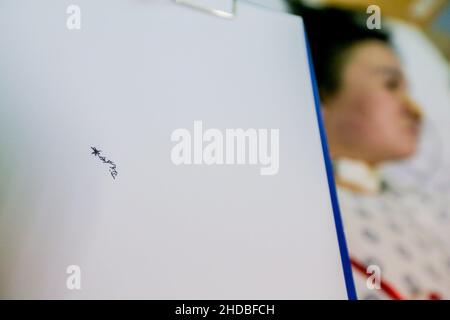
[345, 258]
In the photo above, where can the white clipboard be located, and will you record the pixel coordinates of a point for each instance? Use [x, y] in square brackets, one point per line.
[123, 83]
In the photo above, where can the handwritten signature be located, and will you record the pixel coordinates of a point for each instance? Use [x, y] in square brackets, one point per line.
[112, 166]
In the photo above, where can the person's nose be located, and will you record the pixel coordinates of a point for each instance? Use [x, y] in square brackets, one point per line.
[413, 109]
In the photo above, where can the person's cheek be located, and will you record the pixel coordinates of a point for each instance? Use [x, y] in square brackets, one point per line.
[397, 135]
[355, 124]
[384, 123]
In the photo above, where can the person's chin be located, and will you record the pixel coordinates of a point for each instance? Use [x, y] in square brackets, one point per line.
[406, 150]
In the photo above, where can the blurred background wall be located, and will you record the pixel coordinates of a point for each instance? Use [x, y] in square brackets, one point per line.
[432, 16]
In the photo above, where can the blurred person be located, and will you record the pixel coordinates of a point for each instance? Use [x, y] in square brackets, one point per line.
[370, 120]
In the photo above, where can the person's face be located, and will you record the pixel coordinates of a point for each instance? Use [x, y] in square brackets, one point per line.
[371, 117]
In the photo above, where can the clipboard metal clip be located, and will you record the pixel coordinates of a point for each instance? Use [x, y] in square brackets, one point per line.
[217, 12]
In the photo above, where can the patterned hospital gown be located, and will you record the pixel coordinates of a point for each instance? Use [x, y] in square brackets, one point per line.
[405, 234]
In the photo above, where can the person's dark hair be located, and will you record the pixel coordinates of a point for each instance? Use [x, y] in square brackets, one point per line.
[331, 33]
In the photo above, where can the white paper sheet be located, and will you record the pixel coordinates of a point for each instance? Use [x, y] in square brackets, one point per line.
[135, 72]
